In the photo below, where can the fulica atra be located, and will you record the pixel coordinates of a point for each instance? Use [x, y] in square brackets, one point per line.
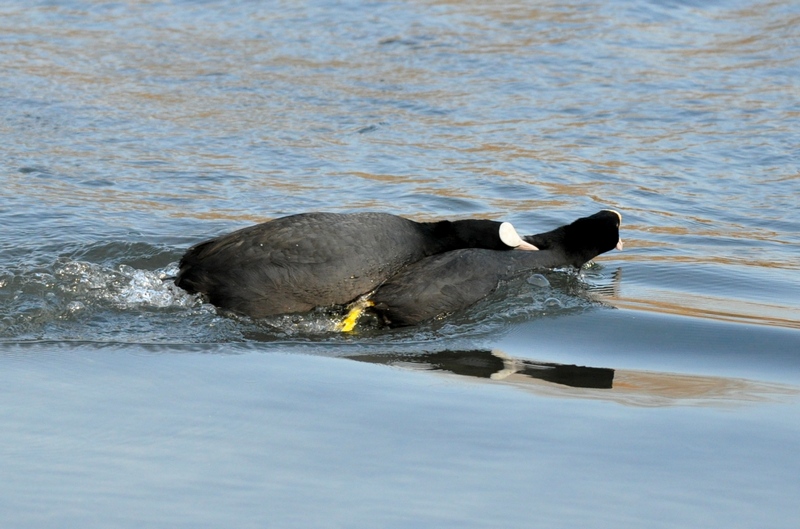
[295, 263]
[454, 280]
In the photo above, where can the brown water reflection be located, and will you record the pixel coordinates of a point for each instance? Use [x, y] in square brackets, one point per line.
[660, 286]
[709, 307]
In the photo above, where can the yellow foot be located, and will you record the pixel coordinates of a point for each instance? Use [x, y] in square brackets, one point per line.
[356, 309]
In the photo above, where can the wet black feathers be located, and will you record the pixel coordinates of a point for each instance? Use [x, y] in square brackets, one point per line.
[582, 240]
[451, 281]
[296, 263]
[417, 270]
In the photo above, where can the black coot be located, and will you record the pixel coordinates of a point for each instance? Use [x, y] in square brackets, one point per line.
[296, 263]
[451, 281]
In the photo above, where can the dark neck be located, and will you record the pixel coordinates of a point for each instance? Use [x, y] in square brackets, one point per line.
[564, 244]
[548, 240]
[446, 235]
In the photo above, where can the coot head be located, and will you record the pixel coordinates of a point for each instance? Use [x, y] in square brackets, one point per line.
[583, 239]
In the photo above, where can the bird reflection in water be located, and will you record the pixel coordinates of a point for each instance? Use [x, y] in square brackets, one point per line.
[630, 387]
[496, 365]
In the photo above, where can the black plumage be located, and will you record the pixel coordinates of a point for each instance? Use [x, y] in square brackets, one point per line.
[581, 241]
[295, 263]
[454, 280]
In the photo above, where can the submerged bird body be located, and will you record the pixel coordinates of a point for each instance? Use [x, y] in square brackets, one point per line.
[295, 263]
[447, 282]
[451, 281]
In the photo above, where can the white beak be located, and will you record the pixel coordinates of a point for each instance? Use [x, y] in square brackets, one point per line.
[511, 238]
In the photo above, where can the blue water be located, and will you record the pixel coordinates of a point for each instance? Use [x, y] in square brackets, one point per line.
[131, 130]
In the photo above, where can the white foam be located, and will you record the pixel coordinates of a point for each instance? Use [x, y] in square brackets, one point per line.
[145, 287]
[122, 286]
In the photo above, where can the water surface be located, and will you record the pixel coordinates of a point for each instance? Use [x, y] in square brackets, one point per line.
[657, 389]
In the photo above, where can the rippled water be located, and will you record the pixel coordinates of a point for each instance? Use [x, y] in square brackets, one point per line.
[131, 130]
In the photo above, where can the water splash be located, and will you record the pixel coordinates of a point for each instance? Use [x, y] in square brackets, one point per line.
[74, 299]
[123, 286]
[538, 280]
